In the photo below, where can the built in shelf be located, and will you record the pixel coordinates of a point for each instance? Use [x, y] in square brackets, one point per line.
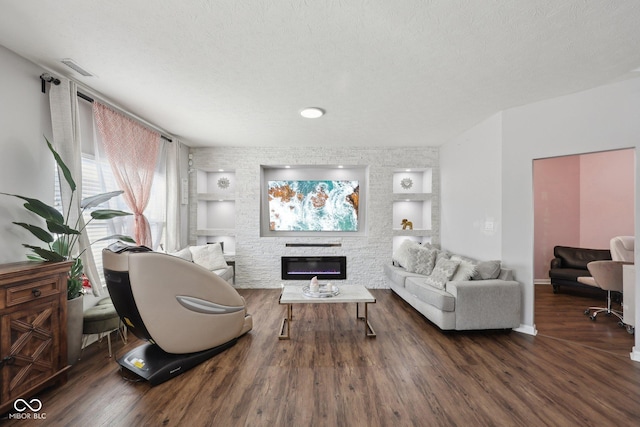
[417, 197]
[216, 232]
[415, 232]
[216, 197]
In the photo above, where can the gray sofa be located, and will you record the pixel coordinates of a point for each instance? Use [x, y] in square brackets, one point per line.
[462, 304]
[209, 256]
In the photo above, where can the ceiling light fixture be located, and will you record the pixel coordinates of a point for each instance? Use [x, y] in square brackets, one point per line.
[312, 112]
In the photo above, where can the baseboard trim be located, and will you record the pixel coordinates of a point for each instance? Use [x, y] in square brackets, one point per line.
[527, 329]
[635, 354]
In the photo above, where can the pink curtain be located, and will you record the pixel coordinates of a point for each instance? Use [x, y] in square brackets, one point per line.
[132, 151]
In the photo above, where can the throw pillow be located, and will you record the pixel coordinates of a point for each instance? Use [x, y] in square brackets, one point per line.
[183, 253]
[442, 273]
[421, 260]
[442, 254]
[402, 255]
[208, 256]
[487, 270]
[466, 269]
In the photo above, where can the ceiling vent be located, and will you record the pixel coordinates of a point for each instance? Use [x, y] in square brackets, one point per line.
[75, 67]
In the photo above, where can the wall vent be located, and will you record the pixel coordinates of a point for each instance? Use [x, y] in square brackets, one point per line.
[75, 67]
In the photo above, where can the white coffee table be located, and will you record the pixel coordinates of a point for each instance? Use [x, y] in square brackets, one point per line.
[292, 294]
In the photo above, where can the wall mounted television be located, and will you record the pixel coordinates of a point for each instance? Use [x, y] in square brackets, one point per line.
[313, 205]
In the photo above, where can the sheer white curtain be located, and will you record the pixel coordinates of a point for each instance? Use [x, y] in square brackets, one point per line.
[174, 188]
[132, 151]
[63, 101]
[155, 211]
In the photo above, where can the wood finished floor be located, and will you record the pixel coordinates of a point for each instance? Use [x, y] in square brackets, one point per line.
[329, 374]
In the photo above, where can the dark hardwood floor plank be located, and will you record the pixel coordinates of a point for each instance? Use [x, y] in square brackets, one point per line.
[411, 374]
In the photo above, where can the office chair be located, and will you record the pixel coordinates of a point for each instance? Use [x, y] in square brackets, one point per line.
[606, 275]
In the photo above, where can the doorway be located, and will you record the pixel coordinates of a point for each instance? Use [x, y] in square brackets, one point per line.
[580, 200]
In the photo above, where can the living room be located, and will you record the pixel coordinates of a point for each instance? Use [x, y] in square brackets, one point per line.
[484, 175]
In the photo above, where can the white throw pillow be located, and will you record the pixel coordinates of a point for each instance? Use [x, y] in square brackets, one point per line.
[401, 255]
[487, 270]
[183, 253]
[442, 273]
[465, 270]
[208, 256]
[421, 260]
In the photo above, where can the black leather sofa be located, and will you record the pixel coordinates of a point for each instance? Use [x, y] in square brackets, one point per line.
[570, 263]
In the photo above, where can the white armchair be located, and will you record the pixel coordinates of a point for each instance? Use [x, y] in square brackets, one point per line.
[622, 248]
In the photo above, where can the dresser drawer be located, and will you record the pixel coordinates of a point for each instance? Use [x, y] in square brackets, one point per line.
[19, 294]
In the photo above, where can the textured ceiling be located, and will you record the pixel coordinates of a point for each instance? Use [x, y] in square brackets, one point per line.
[403, 73]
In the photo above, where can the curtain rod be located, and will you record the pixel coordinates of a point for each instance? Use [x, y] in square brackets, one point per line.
[48, 78]
[91, 100]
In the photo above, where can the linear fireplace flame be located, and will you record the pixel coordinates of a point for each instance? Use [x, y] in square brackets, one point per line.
[305, 268]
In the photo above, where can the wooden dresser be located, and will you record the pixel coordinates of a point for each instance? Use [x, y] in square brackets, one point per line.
[33, 328]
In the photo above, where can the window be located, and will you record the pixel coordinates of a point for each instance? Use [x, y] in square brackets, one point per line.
[98, 178]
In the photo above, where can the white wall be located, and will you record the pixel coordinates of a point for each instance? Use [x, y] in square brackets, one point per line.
[603, 118]
[26, 165]
[258, 258]
[471, 193]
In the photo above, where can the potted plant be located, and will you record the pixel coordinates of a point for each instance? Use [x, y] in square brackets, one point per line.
[61, 240]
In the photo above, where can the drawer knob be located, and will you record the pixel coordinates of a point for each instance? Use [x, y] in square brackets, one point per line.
[36, 292]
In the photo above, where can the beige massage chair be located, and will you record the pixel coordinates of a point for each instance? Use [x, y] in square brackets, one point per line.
[185, 312]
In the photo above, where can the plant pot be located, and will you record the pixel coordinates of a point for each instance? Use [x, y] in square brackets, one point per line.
[75, 317]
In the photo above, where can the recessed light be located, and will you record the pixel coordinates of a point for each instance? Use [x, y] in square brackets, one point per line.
[408, 170]
[340, 166]
[220, 170]
[287, 167]
[312, 112]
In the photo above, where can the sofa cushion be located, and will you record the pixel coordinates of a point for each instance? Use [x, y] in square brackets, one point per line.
[438, 298]
[183, 253]
[567, 273]
[487, 270]
[225, 273]
[465, 270]
[208, 256]
[421, 260]
[398, 275]
[442, 272]
[579, 257]
[402, 254]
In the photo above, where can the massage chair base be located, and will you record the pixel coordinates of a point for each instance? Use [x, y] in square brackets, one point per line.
[156, 366]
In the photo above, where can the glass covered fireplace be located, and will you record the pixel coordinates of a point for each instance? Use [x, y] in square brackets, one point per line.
[305, 268]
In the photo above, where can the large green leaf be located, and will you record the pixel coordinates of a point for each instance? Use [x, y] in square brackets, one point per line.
[97, 200]
[46, 254]
[108, 214]
[58, 228]
[76, 269]
[61, 246]
[63, 167]
[74, 288]
[117, 237]
[40, 233]
[41, 209]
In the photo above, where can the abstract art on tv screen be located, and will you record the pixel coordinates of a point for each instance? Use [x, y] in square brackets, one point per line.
[313, 205]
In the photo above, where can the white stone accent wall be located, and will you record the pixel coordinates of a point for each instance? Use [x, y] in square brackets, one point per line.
[258, 258]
